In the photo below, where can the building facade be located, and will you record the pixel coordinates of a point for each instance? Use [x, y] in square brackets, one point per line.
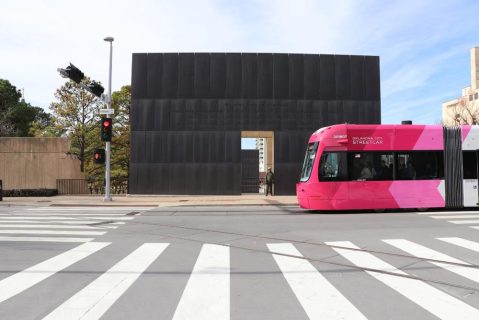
[465, 109]
[190, 110]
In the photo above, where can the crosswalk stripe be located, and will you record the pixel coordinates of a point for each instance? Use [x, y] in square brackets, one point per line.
[207, 293]
[319, 298]
[464, 221]
[446, 212]
[423, 252]
[27, 278]
[89, 209]
[431, 299]
[96, 298]
[471, 245]
[44, 239]
[64, 218]
[86, 214]
[54, 232]
[62, 222]
[460, 216]
[474, 227]
[53, 226]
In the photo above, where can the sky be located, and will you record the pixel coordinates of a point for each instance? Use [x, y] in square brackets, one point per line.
[423, 45]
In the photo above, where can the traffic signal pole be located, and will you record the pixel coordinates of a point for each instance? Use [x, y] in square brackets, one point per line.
[107, 144]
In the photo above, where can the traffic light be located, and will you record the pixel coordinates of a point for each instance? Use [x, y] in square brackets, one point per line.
[95, 88]
[99, 156]
[72, 73]
[106, 129]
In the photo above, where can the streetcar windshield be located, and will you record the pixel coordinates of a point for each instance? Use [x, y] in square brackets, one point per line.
[308, 161]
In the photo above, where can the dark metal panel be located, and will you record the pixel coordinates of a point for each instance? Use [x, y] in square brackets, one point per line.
[233, 146]
[177, 115]
[148, 117]
[217, 75]
[250, 171]
[139, 75]
[327, 77]
[186, 73]
[169, 79]
[311, 76]
[296, 76]
[351, 111]
[161, 115]
[265, 76]
[154, 72]
[281, 76]
[135, 114]
[233, 75]
[357, 77]
[343, 77]
[371, 78]
[249, 75]
[202, 75]
[137, 146]
[335, 111]
[155, 142]
[212, 114]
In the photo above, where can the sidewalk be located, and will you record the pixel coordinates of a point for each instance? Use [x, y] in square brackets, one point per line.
[151, 201]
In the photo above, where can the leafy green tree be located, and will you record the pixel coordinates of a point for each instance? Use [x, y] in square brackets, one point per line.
[9, 96]
[76, 113]
[17, 117]
[120, 145]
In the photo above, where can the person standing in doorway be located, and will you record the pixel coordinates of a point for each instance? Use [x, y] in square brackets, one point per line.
[269, 181]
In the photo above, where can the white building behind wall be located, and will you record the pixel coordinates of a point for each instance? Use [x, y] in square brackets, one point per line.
[261, 146]
[465, 110]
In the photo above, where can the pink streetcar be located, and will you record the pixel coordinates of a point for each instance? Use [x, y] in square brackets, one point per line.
[352, 167]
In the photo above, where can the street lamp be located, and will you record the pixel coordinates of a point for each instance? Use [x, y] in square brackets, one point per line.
[107, 162]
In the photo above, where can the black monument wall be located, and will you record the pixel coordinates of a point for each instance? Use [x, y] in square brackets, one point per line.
[188, 111]
[249, 171]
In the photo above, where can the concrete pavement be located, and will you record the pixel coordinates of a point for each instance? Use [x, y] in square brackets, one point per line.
[152, 201]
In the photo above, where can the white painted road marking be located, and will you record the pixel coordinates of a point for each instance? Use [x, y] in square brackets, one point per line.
[459, 216]
[64, 218]
[471, 245]
[54, 226]
[446, 212]
[431, 299]
[423, 252]
[96, 298]
[207, 293]
[464, 221]
[319, 298]
[53, 232]
[73, 222]
[45, 239]
[27, 278]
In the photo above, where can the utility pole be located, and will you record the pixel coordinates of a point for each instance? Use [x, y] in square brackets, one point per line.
[107, 144]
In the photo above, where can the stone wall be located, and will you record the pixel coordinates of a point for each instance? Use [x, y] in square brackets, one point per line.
[36, 163]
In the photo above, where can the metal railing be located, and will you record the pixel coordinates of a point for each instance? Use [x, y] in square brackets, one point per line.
[72, 186]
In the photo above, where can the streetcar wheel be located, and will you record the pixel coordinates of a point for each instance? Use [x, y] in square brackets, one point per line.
[422, 209]
[379, 210]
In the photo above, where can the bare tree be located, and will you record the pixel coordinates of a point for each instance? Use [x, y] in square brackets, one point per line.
[465, 111]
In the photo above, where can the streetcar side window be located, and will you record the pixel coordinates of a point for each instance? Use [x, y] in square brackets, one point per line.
[333, 166]
[469, 164]
[419, 165]
[371, 165]
[308, 161]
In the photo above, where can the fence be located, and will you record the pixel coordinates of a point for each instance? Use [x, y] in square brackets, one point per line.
[72, 186]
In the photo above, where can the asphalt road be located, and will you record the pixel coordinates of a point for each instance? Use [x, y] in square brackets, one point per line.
[252, 262]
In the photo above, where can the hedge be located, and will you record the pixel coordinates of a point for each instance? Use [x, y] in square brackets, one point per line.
[30, 193]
